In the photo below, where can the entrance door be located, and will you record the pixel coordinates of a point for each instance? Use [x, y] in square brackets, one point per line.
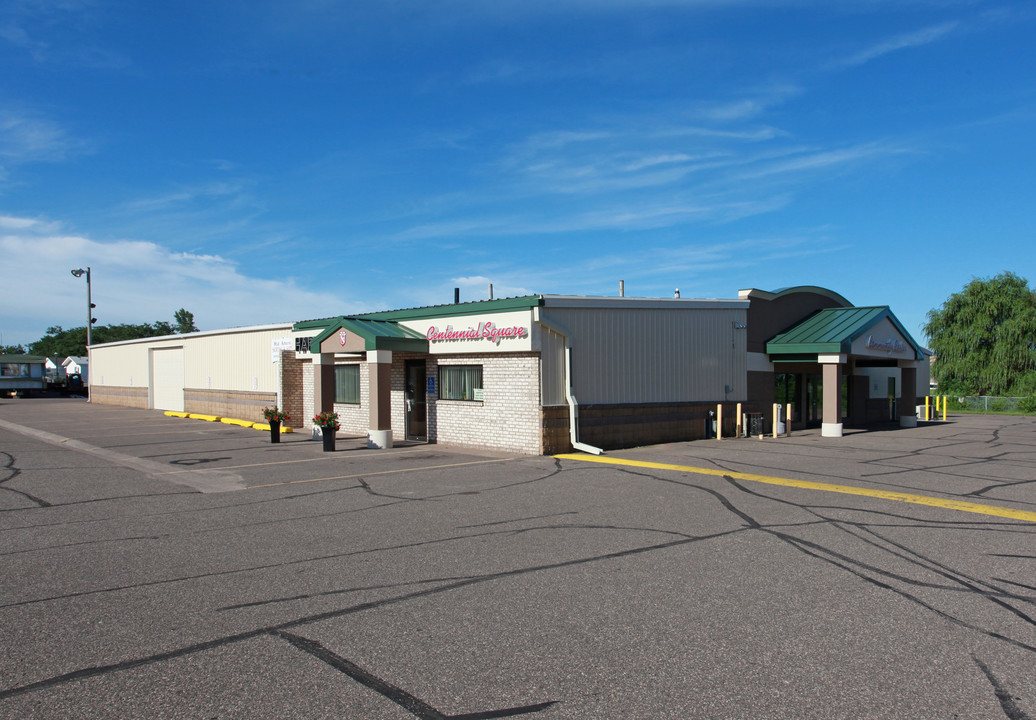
[167, 381]
[416, 401]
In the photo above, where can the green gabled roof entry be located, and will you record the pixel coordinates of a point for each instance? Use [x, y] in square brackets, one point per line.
[833, 330]
[376, 334]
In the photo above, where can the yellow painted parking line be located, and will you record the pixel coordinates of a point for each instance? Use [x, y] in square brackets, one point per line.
[960, 505]
[381, 472]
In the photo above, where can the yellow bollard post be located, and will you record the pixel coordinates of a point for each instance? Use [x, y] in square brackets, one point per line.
[944, 408]
[927, 408]
[776, 417]
[737, 422]
[719, 421]
[787, 421]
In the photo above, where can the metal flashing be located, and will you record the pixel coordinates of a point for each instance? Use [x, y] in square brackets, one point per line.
[640, 303]
[755, 293]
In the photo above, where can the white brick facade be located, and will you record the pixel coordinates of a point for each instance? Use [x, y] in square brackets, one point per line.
[508, 418]
[355, 419]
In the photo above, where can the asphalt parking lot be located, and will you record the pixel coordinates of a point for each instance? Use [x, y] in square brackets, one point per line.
[158, 567]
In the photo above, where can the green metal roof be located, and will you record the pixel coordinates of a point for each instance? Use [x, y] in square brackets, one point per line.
[523, 302]
[467, 308]
[833, 331]
[376, 334]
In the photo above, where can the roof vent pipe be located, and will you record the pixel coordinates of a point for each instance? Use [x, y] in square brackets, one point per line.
[490, 291]
[456, 296]
[677, 293]
[622, 288]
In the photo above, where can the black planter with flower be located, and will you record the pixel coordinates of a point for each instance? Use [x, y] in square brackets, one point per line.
[275, 417]
[328, 423]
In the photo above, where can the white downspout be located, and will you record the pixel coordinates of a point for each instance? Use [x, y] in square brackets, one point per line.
[573, 404]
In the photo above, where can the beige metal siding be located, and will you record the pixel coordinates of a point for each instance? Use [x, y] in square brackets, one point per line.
[124, 364]
[640, 355]
[240, 361]
[236, 360]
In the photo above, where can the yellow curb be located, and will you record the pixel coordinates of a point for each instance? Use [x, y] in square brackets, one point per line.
[174, 413]
[241, 423]
[198, 416]
[960, 505]
[266, 426]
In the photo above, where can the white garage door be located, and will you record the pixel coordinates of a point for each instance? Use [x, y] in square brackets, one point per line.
[167, 378]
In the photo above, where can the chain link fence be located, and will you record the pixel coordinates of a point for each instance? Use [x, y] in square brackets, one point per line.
[991, 403]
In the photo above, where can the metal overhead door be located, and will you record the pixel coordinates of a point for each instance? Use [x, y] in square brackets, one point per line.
[167, 379]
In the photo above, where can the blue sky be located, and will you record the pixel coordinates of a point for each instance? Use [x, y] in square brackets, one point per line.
[259, 162]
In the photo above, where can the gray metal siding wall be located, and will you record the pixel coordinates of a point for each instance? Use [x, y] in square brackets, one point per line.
[655, 355]
[552, 368]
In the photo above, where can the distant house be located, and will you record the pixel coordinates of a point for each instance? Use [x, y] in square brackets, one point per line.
[77, 365]
[53, 369]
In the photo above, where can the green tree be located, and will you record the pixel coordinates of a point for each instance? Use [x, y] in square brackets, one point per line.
[984, 338]
[59, 342]
[184, 321]
[12, 350]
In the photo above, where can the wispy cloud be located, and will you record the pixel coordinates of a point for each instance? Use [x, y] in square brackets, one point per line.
[183, 197]
[66, 25]
[899, 42]
[27, 136]
[813, 160]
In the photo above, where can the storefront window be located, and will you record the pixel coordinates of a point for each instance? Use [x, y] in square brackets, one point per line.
[460, 382]
[347, 384]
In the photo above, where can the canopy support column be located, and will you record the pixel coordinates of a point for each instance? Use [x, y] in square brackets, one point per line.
[379, 378]
[832, 417]
[908, 398]
[323, 387]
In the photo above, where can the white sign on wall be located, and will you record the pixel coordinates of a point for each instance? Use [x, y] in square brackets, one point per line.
[279, 344]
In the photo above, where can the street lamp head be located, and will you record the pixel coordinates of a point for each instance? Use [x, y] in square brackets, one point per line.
[79, 272]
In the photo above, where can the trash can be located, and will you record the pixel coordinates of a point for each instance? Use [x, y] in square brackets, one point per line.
[780, 423]
[753, 424]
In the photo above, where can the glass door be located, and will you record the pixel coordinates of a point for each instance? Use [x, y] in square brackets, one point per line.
[814, 399]
[892, 398]
[416, 401]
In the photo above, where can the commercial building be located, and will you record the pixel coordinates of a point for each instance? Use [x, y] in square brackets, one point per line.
[542, 373]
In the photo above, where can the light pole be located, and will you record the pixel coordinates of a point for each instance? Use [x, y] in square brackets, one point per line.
[90, 319]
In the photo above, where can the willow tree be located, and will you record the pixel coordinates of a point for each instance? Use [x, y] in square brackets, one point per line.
[984, 338]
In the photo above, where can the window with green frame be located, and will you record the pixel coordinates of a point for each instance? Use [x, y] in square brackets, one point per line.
[347, 384]
[460, 382]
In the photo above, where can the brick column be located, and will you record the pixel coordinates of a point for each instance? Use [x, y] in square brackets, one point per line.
[323, 387]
